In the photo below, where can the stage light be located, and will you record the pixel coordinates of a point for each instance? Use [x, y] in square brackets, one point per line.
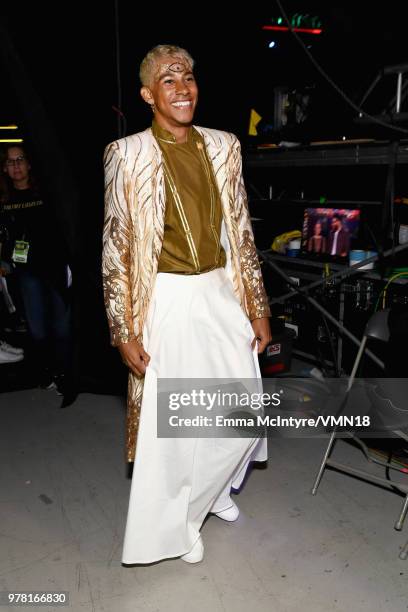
[272, 44]
[286, 29]
[299, 22]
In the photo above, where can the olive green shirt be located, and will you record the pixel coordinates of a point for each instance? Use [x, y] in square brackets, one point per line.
[193, 216]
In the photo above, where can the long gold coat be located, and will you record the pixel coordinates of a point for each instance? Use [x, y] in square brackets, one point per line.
[135, 202]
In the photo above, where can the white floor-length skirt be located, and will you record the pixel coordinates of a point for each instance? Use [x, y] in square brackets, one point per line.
[195, 328]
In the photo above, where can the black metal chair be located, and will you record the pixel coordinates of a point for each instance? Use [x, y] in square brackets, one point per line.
[388, 415]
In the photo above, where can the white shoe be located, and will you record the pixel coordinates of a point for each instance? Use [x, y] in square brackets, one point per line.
[14, 350]
[230, 514]
[196, 554]
[9, 357]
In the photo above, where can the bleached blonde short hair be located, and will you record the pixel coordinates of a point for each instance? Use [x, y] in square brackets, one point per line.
[147, 67]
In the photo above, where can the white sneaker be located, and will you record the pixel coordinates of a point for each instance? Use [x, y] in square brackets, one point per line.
[230, 514]
[14, 350]
[196, 554]
[6, 357]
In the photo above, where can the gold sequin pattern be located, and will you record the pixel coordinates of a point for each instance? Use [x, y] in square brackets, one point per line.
[133, 236]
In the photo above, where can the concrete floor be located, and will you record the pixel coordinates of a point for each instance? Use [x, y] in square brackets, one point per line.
[63, 504]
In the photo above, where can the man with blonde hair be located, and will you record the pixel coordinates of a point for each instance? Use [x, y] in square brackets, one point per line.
[149, 65]
[184, 299]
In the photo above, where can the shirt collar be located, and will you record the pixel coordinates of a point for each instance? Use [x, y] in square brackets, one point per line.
[164, 135]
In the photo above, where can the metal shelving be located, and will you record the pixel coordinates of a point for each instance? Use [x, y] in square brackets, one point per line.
[334, 155]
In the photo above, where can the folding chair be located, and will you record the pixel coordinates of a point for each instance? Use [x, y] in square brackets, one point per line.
[390, 409]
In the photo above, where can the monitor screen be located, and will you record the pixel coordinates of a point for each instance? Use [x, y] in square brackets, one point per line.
[329, 232]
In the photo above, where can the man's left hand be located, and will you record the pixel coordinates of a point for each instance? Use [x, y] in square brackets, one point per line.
[262, 331]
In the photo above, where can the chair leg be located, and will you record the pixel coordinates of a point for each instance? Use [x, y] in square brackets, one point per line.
[404, 552]
[398, 525]
[324, 461]
[333, 435]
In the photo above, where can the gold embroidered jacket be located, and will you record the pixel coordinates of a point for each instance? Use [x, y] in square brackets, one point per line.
[133, 236]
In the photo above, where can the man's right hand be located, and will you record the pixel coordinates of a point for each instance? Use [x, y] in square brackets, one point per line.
[134, 356]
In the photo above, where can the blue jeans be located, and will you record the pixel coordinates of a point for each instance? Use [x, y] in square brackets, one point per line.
[48, 318]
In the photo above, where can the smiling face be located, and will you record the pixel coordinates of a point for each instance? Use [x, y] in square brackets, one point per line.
[173, 93]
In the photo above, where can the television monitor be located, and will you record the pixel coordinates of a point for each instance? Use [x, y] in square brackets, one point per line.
[329, 232]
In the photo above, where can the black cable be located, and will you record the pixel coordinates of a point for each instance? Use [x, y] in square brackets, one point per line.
[120, 117]
[345, 97]
[377, 245]
[392, 197]
[332, 348]
[321, 359]
[330, 339]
